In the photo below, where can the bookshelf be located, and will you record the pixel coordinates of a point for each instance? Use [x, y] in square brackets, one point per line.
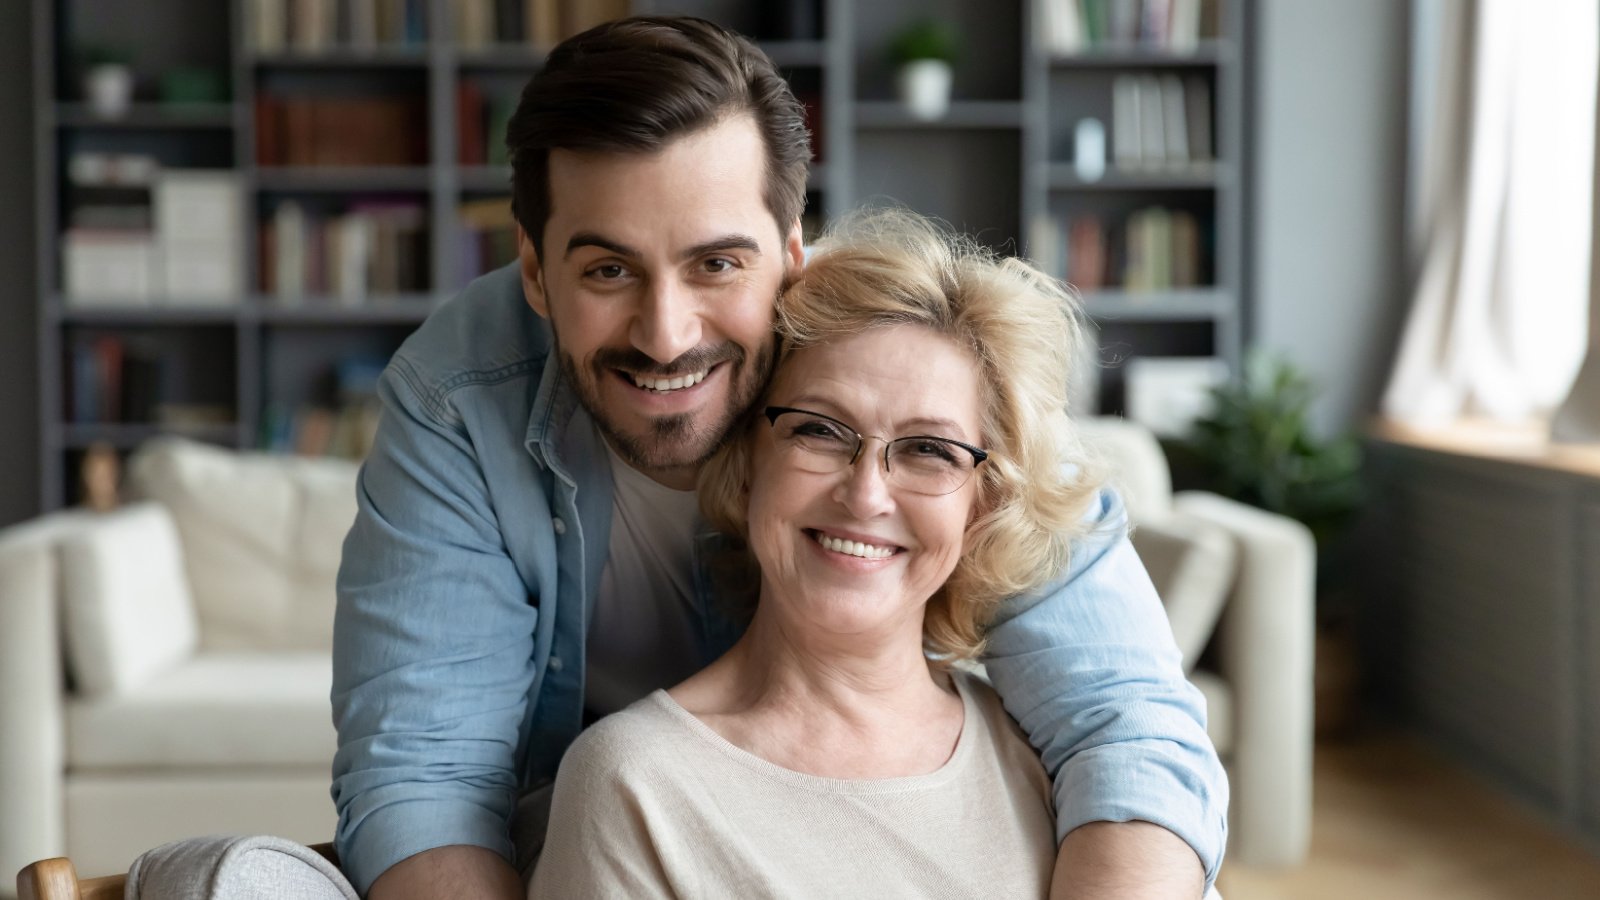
[287, 335]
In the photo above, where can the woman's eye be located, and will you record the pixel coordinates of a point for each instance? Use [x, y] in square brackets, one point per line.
[932, 450]
[817, 429]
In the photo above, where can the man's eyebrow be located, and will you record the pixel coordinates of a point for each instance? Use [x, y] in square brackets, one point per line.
[726, 242]
[591, 239]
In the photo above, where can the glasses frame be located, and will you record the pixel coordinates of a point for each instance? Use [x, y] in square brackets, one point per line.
[978, 454]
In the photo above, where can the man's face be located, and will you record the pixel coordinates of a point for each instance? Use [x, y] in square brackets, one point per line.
[659, 274]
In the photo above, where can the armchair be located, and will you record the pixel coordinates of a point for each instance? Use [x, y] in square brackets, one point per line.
[1238, 581]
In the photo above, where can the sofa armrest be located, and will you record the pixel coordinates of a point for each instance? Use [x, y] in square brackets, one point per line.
[1265, 641]
[32, 756]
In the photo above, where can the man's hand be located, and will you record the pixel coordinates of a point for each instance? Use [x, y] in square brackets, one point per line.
[1125, 860]
[471, 873]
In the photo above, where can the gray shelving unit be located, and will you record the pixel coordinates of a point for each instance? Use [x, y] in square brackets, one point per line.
[990, 167]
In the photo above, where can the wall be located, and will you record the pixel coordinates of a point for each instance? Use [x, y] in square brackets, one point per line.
[1330, 132]
[19, 414]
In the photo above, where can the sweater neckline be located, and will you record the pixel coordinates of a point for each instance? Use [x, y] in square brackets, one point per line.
[824, 784]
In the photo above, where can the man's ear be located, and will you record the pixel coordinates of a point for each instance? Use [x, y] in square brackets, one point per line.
[794, 250]
[532, 274]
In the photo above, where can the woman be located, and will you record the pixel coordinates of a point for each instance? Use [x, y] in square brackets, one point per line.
[902, 475]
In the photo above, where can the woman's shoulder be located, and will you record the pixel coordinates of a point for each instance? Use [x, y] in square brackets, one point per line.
[644, 736]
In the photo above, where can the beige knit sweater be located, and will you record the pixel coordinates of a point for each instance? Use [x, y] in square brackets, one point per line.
[651, 802]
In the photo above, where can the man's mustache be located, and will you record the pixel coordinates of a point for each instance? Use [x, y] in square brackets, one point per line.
[697, 360]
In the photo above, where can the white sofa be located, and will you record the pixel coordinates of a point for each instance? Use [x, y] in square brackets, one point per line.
[165, 668]
[1238, 584]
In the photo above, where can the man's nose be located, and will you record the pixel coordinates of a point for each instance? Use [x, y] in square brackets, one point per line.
[668, 322]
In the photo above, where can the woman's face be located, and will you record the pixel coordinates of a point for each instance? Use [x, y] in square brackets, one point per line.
[856, 552]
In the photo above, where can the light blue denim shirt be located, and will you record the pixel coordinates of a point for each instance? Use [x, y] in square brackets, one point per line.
[483, 524]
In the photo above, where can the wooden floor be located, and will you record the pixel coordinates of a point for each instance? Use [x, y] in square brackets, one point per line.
[1393, 819]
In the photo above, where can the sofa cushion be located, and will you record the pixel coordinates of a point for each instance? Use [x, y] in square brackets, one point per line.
[125, 599]
[217, 710]
[261, 535]
[1192, 564]
[1134, 462]
[224, 867]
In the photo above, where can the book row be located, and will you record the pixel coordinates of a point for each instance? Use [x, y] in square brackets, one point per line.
[1151, 249]
[1076, 26]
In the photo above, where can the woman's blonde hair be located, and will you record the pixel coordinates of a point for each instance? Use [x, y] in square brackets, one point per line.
[894, 267]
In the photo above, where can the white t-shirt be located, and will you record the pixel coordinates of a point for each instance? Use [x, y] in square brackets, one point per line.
[652, 802]
[643, 630]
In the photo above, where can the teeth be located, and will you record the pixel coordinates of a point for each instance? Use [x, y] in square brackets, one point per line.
[854, 548]
[670, 384]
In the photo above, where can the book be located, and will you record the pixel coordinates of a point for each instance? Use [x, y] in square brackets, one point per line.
[471, 124]
[108, 267]
[1197, 116]
[1127, 150]
[1175, 128]
[543, 21]
[1087, 253]
[269, 25]
[1183, 30]
[1152, 122]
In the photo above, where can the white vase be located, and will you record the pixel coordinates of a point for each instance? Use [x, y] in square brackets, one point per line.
[925, 88]
[109, 89]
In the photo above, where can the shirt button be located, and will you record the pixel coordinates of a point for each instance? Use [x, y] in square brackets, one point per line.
[555, 661]
[558, 525]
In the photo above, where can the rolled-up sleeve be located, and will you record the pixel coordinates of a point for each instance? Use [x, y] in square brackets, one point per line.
[433, 642]
[1088, 668]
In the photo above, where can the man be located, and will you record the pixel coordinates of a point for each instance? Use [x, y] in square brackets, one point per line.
[523, 556]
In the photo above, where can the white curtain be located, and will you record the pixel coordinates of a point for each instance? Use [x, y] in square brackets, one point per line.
[1503, 214]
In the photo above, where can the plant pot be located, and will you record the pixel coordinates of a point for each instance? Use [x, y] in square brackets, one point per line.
[109, 89]
[925, 88]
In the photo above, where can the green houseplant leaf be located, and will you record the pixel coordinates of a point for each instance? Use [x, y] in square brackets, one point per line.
[1257, 446]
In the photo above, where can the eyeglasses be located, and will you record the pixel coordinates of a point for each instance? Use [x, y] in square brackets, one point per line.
[920, 463]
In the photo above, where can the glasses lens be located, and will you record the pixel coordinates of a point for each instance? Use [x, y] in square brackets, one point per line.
[816, 444]
[930, 465]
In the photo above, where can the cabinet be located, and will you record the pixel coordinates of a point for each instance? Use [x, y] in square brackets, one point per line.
[287, 355]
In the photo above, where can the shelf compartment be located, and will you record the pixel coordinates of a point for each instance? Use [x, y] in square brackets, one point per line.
[88, 312]
[485, 179]
[518, 58]
[974, 114]
[1207, 53]
[335, 179]
[403, 309]
[1199, 304]
[342, 58]
[124, 436]
[1199, 177]
[795, 54]
[147, 116]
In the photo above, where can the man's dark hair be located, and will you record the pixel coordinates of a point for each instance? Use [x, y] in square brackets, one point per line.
[634, 85]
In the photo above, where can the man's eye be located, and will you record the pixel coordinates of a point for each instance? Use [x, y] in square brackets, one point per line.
[718, 266]
[609, 271]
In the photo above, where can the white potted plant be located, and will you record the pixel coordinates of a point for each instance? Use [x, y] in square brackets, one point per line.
[923, 55]
[107, 82]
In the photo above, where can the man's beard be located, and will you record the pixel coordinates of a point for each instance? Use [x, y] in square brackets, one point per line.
[675, 441]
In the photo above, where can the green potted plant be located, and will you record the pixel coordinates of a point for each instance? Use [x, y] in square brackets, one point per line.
[1256, 445]
[923, 54]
